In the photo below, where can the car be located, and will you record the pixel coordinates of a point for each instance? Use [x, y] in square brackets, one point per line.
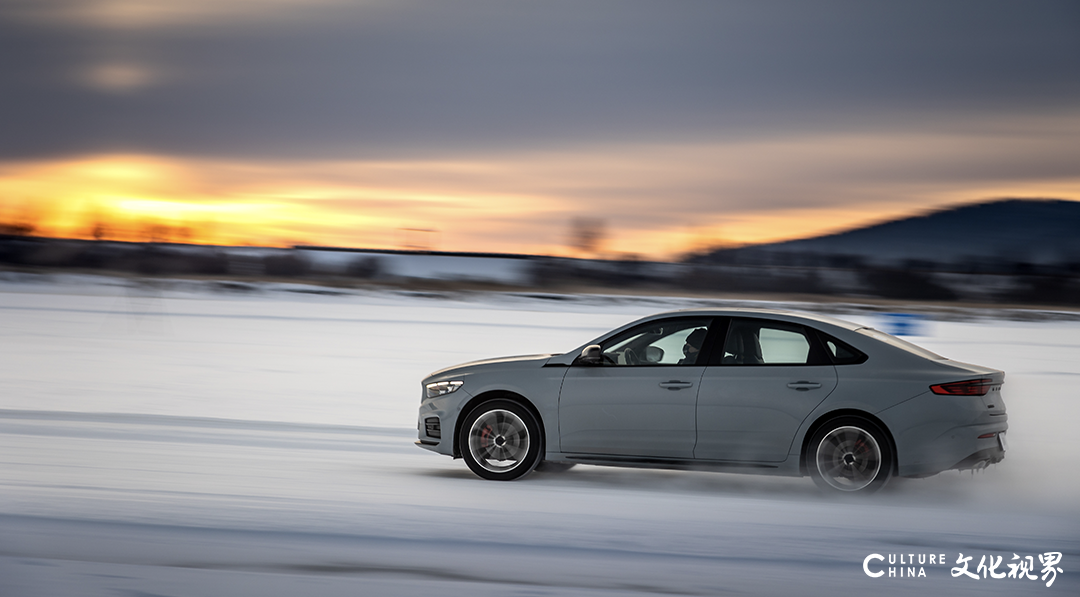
[733, 390]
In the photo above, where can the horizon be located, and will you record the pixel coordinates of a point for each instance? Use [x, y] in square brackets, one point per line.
[159, 234]
[571, 129]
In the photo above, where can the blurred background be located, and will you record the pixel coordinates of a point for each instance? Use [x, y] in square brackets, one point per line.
[630, 133]
[236, 234]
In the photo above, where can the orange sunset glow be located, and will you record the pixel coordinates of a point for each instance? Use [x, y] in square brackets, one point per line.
[499, 205]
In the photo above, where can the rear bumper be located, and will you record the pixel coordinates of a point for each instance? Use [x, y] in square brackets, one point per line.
[935, 433]
[960, 448]
[981, 459]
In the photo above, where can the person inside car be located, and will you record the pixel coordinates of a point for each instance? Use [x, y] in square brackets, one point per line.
[692, 346]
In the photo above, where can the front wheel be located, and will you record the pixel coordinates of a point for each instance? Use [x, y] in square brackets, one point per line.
[849, 455]
[500, 440]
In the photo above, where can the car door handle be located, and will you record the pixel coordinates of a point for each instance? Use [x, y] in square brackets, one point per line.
[803, 386]
[676, 385]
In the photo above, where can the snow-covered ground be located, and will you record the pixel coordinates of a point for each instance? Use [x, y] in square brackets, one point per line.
[191, 438]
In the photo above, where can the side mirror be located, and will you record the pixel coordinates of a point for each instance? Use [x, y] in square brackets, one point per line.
[590, 355]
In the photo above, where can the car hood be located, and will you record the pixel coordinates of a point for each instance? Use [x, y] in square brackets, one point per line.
[501, 362]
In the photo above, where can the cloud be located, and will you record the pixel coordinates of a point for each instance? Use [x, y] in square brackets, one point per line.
[155, 14]
[118, 77]
[402, 78]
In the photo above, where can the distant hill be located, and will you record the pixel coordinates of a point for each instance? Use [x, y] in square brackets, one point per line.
[1043, 231]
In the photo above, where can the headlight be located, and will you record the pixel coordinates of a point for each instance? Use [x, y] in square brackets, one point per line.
[441, 388]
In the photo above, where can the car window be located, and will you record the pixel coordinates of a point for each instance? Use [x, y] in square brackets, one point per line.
[763, 342]
[665, 342]
[841, 353]
[783, 346]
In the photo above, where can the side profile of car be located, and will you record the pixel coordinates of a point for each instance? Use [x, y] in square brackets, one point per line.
[734, 390]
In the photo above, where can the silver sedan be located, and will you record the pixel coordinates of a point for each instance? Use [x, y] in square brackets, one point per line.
[734, 390]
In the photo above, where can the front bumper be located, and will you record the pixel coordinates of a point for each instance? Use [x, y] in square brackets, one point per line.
[429, 432]
[436, 419]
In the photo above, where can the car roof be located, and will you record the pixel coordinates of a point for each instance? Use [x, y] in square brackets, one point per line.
[782, 314]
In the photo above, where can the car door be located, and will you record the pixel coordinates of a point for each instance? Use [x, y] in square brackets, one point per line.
[759, 389]
[641, 400]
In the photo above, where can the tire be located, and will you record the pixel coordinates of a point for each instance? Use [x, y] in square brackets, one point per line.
[849, 455]
[500, 440]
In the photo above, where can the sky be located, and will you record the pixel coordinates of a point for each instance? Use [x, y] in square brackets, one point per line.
[501, 125]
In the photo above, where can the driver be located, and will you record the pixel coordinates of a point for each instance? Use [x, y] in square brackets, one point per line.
[693, 346]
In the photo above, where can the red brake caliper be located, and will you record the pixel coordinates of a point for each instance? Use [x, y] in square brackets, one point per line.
[860, 447]
[485, 436]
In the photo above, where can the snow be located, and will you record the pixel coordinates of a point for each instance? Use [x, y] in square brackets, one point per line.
[180, 438]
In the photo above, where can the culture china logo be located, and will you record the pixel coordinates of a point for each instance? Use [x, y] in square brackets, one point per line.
[910, 565]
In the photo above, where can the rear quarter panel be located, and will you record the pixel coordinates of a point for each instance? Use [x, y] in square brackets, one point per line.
[893, 385]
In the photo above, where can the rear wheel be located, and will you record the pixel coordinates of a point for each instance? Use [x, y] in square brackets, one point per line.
[500, 440]
[849, 455]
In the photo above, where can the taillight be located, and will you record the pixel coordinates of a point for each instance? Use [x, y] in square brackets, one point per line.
[971, 387]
